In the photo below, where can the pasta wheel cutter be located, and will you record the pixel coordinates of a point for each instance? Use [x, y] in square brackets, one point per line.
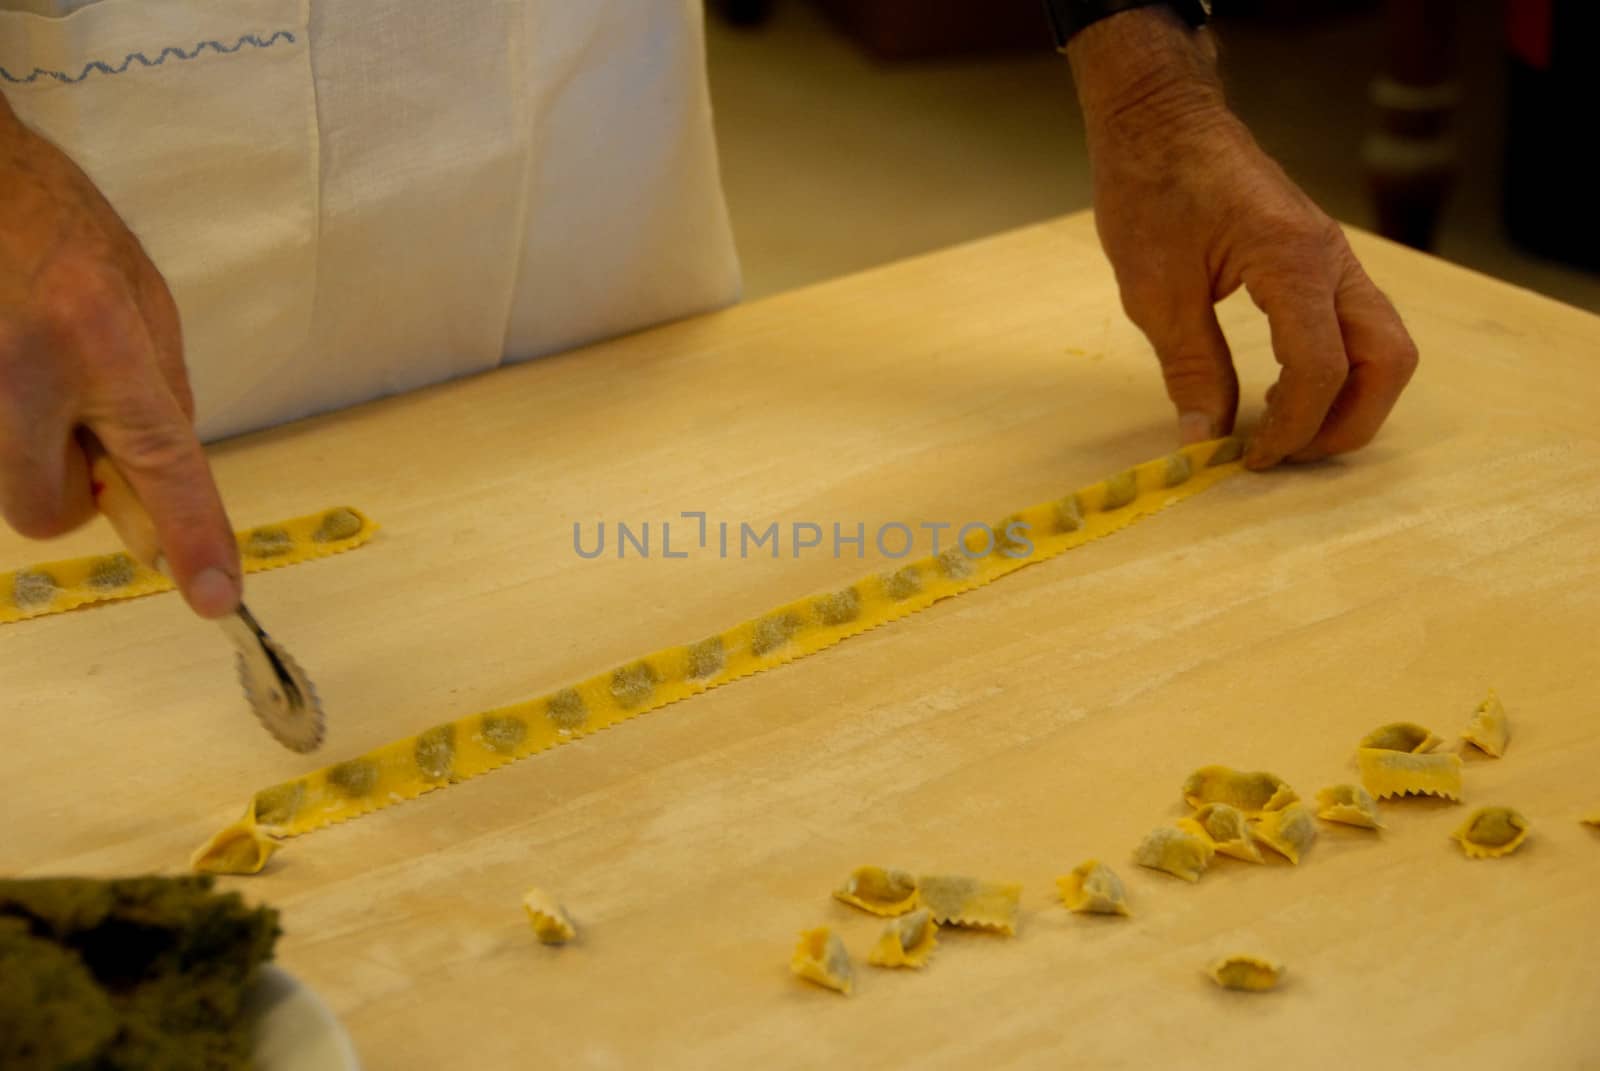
[277, 689]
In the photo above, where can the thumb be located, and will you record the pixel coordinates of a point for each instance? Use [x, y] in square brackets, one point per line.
[1198, 369]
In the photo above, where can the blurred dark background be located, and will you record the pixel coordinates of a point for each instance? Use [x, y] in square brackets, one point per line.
[854, 132]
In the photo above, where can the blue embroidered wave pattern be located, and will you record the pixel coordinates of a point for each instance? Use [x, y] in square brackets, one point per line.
[170, 52]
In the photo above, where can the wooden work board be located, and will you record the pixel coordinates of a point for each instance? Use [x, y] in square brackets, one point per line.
[1010, 733]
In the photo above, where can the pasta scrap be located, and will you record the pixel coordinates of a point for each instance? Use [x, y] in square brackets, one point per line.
[1491, 832]
[1288, 832]
[907, 941]
[1251, 974]
[1093, 888]
[1350, 805]
[550, 921]
[54, 587]
[971, 903]
[1405, 736]
[1489, 730]
[1226, 828]
[399, 771]
[821, 957]
[879, 890]
[1248, 791]
[242, 848]
[1176, 851]
[1398, 773]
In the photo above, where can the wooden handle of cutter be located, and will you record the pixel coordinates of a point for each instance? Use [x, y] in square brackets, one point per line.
[115, 498]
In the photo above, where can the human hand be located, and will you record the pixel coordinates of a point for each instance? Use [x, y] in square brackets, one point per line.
[90, 343]
[1189, 208]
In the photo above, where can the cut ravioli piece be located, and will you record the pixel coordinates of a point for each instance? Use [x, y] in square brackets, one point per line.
[1398, 773]
[1350, 805]
[821, 957]
[1176, 851]
[1227, 828]
[969, 902]
[1252, 974]
[879, 890]
[242, 848]
[1288, 832]
[907, 941]
[1489, 731]
[550, 921]
[1405, 736]
[1092, 888]
[1251, 791]
[1492, 831]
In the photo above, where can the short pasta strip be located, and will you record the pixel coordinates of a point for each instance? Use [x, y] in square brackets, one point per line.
[908, 941]
[478, 743]
[1490, 832]
[1349, 805]
[1251, 974]
[821, 957]
[1251, 792]
[548, 919]
[980, 905]
[55, 587]
[1288, 832]
[1489, 730]
[1092, 888]
[1399, 773]
[1178, 852]
[879, 890]
[1405, 736]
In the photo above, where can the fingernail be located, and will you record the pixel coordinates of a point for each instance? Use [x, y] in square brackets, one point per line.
[213, 593]
[1194, 428]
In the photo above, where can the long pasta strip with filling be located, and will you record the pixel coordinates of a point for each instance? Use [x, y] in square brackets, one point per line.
[478, 743]
[54, 587]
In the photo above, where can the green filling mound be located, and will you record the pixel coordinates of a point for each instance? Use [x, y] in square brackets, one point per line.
[127, 974]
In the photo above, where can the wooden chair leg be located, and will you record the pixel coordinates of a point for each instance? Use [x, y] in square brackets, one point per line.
[1410, 157]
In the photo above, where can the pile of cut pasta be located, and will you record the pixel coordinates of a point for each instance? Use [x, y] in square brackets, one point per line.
[1234, 813]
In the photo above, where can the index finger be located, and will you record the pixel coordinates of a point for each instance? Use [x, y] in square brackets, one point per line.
[1308, 345]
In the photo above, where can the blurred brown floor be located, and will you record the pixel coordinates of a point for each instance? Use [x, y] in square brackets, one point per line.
[834, 162]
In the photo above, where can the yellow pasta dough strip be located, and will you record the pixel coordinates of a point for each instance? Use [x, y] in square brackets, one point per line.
[1489, 730]
[1093, 888]
[1400, 773]
[1350, 805]
[1401, 736]
[53, 587]
[908, 941]
[879, 890]
[242, 848]
[1491, 832]
[406, 769]
[1252, 974]
[821, 957]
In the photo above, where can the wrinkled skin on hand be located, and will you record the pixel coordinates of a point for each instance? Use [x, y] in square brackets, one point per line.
[1189, 209]
[90, 342]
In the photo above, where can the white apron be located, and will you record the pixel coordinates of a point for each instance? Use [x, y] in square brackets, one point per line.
[351, 198]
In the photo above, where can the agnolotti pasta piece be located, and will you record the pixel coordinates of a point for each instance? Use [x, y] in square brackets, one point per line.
[1489, 731]
[550, 921]
[907, 941]
[1176, 851]
[1092, 888]
[879, 890]
[1492, 831]
[1591, 819]
[1250, 791]
[969, 902]
[821, 957]
[1288, 832]
[1405, 736]
[1251, 974]
[242, 848]
[1227, 828]
[1399, 773]
[1350, 805]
